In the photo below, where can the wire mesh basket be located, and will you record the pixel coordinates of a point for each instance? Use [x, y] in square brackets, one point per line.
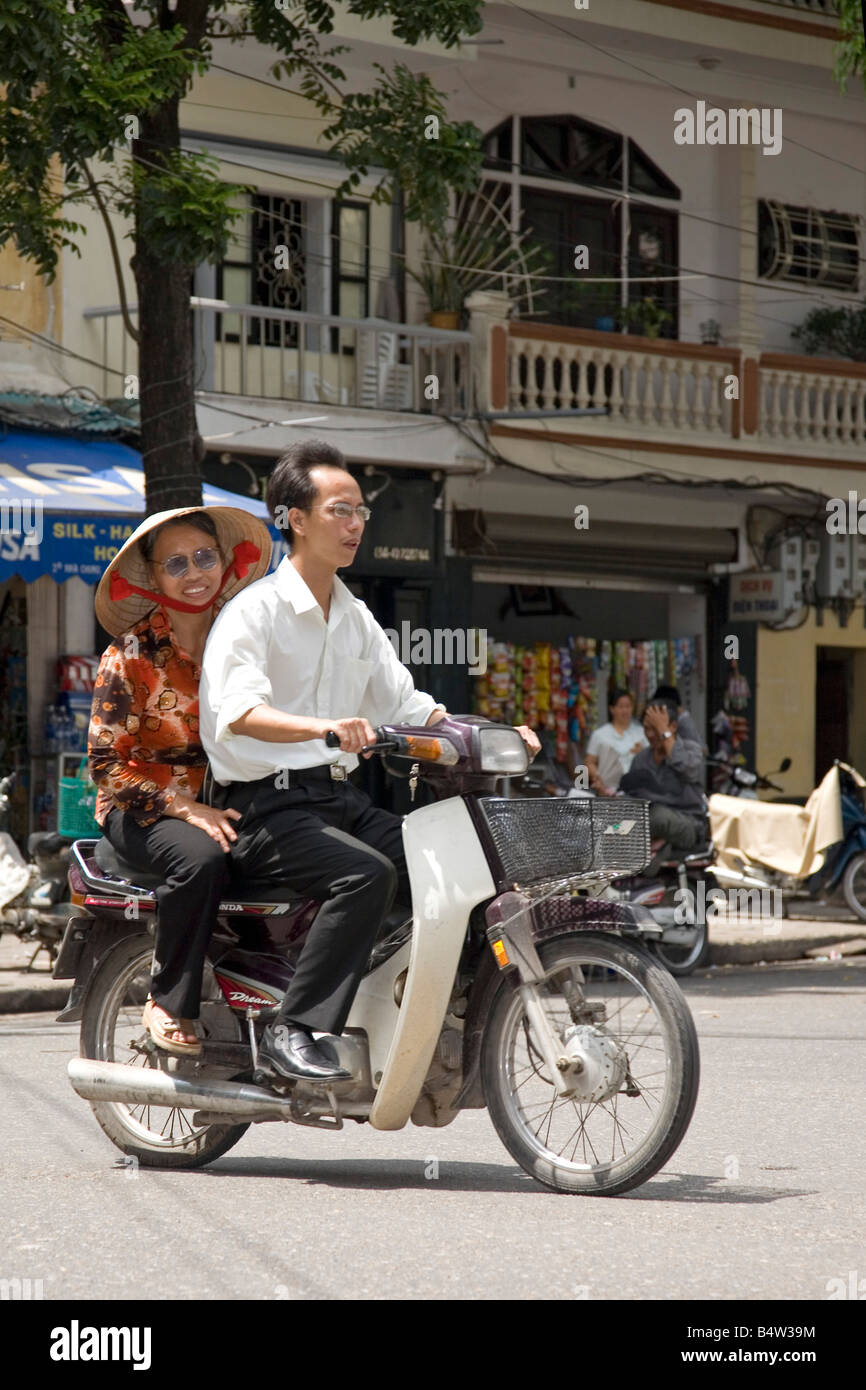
[540, 840]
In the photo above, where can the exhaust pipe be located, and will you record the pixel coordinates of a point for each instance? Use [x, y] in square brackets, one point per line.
[107, 1081]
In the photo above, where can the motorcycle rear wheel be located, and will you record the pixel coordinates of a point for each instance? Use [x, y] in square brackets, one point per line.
[111, 1031]
[646, 1013]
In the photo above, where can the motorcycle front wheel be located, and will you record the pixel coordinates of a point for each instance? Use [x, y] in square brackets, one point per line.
[609, 1146]
[112, 1031]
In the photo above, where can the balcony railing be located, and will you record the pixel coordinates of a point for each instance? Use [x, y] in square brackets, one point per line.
[660, 389]
[287, 355]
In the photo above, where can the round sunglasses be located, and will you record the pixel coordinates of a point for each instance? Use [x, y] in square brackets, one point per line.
[206, 558]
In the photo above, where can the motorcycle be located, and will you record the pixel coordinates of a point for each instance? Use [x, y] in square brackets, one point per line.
[675, 890]
[509, 988]
[680, 886]
[32, 890]
[773, 877]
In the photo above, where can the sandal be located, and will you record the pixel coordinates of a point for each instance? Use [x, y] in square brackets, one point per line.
[160, 1030]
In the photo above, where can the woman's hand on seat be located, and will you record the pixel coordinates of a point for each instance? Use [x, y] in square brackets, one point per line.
[216, 823]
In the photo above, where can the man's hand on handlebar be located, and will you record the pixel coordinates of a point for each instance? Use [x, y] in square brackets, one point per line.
[354, 734]
[530, 738]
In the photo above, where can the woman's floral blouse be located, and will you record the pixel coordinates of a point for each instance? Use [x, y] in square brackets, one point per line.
[143, 742]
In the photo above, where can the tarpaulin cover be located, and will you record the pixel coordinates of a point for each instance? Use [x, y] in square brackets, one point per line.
[790, 839]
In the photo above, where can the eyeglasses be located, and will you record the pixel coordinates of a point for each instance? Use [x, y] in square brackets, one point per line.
[177, 565]
[344, 510]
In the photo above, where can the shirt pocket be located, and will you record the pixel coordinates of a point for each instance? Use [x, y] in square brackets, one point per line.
[351, 678]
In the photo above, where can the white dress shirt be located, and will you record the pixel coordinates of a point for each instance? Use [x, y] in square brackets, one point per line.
[270, 645]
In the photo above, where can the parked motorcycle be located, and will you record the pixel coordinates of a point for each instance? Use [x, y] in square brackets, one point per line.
[772, 874]
[32, 892]
[676, 892]
[509, 988]
[732, 779]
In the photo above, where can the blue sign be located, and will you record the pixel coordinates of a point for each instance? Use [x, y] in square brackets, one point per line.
[67, 505]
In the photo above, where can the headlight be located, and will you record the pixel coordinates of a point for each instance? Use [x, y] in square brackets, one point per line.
[503, 751]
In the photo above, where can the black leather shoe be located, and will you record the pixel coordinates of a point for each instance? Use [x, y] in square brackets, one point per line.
[293, 1053]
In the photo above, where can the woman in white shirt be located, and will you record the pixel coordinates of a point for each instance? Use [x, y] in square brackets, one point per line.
[613, 745]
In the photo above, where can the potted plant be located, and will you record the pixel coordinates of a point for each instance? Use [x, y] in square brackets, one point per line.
[837, 332]
[711, 332]
[645, 316]
[476, 250]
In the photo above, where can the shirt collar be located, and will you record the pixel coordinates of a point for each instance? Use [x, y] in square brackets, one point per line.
[295, 590]
[160, 625]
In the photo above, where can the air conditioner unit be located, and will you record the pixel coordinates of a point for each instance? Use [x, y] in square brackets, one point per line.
[834, 567]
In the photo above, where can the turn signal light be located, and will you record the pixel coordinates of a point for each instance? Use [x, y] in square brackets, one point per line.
[430, 750]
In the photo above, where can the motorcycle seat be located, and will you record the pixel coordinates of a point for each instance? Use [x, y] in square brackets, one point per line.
[111, 863]
[242, 889]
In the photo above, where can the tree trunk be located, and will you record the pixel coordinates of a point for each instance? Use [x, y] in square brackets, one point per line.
[171, 448]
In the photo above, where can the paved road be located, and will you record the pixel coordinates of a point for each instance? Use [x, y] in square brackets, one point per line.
[765, 1198]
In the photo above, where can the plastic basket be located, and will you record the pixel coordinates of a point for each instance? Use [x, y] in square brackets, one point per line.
[76, 802]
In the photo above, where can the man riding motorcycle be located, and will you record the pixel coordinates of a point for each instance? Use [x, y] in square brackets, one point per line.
[282, 669]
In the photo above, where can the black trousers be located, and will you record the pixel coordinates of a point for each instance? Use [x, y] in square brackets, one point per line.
[328, 841]
[681, 830]
[195, 870]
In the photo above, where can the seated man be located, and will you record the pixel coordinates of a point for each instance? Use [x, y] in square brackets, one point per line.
[688, 729]
[670, 774]
[300, 657]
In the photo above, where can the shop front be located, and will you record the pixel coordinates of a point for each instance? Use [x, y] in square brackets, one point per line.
[573, 613]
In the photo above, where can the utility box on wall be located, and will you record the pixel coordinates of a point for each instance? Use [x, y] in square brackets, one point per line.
[834, 567]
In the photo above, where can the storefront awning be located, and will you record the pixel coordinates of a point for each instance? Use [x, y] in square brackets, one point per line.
[67, 505]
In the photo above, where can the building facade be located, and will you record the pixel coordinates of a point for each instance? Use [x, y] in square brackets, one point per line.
[603, 456]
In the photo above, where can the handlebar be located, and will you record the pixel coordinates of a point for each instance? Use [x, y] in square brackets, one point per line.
[743, 777]
[332, 740]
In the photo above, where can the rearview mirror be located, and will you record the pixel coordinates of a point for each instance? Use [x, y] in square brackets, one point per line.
[784, 764]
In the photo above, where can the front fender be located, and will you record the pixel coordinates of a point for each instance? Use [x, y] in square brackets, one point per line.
[554, 917]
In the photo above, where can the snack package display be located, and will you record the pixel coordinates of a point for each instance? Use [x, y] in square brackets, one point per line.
[563, 689]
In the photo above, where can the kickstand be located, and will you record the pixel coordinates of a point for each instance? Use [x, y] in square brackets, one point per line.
[41, 947]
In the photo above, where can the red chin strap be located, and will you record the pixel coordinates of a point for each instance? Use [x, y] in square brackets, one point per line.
[245, 553]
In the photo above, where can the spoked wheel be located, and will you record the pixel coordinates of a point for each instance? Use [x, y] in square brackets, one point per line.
[625, 1011]
[112, 1031]
[854, 886]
